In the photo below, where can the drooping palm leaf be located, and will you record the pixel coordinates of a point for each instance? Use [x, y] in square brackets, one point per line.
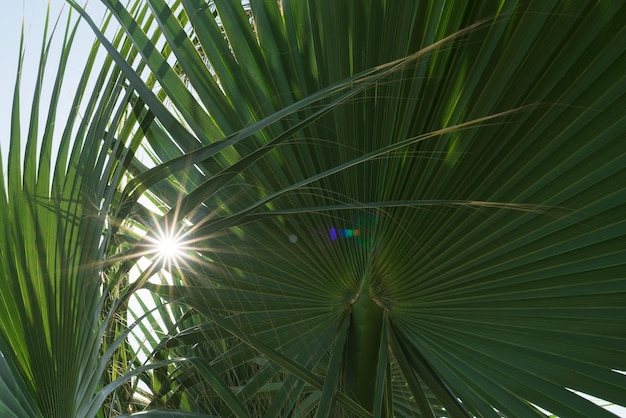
[447, 179]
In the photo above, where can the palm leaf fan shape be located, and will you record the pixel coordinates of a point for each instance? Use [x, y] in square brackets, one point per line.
[409, 208]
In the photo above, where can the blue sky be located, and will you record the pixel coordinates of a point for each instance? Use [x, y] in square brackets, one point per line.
[33, 13]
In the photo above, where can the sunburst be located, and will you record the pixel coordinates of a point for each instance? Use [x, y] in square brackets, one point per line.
[169, 248]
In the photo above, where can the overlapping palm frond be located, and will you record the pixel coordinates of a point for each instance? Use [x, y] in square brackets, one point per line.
[383, 208]
[59, 334]
[424, 191]
[437, 200]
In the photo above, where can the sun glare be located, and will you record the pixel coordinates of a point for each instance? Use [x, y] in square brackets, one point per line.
[169, 248]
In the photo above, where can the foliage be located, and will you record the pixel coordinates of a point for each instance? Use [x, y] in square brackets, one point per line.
[383, 208]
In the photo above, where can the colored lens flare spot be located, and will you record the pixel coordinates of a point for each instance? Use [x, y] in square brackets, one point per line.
[343, 233]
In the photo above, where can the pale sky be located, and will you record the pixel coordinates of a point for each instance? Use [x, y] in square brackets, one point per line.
[33, 13]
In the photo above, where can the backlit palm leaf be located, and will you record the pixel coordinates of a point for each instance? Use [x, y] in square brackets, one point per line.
[387, 208]
[434, 190]
[58, 341]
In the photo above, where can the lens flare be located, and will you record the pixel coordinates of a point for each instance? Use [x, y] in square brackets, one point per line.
[343, 233]
[169, 248]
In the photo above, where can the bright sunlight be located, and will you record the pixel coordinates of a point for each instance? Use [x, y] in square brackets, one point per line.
[169, 248]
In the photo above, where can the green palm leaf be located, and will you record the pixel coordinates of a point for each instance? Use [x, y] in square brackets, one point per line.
[384, 208]
[59, 353]
[461, 204]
